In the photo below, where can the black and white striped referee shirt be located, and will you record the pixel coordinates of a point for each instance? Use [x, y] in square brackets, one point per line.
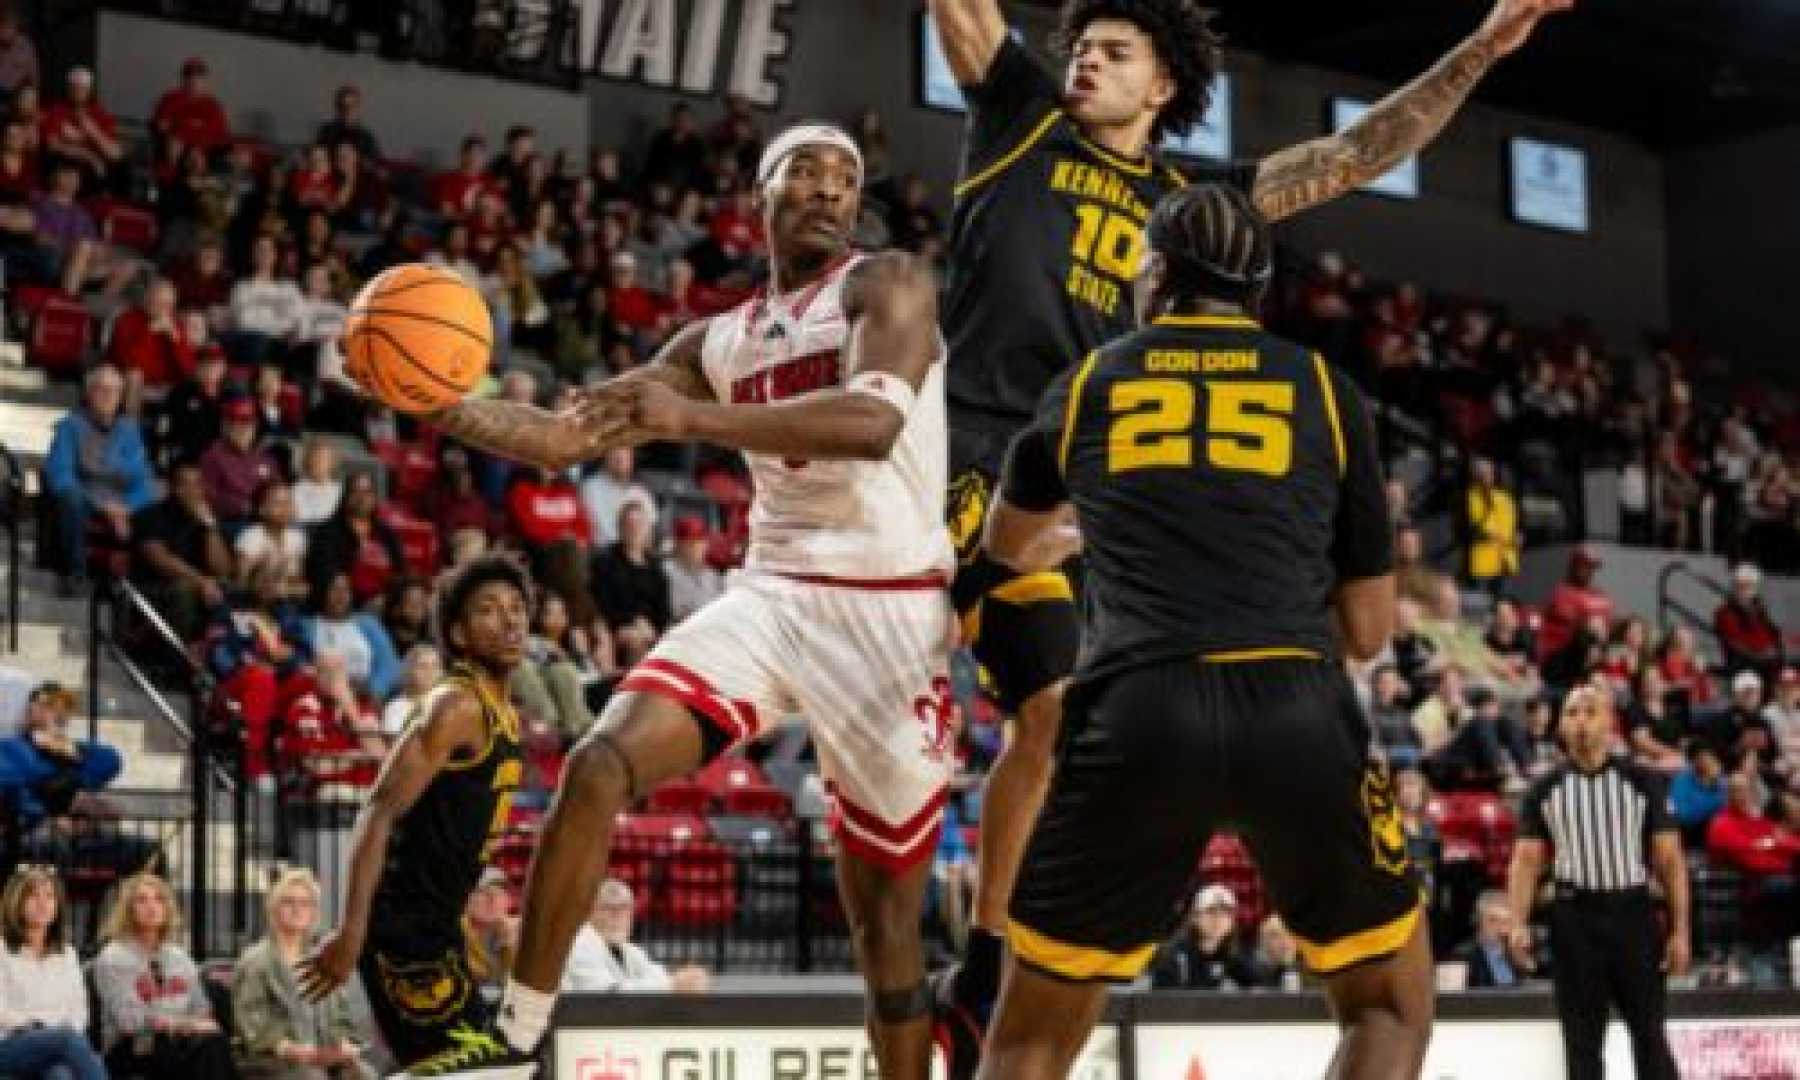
[1599, 824]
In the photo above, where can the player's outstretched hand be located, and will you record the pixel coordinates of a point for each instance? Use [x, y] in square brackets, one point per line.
[329, 966]
[655, 411]
[1511, 21]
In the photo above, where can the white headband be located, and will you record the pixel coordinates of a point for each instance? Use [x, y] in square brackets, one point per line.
[804, 135]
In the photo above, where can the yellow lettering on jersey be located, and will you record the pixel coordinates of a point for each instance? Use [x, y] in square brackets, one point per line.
[1093, 290]
[1231, 360]
[506, 782]
[1172, 361]
[1102, 185]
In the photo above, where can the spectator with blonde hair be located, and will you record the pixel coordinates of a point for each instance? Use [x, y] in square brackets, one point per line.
[43, 1004]
[283, 1035]
[423, 667]
[155, 1021]
[319, 486]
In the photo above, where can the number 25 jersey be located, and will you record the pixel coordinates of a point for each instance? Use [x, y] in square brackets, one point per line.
[1226, 482]
[1046, 238]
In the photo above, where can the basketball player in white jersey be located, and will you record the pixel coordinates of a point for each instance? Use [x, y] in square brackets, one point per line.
[830, 381]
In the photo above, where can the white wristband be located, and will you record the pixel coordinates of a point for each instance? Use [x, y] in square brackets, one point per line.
[890, 388]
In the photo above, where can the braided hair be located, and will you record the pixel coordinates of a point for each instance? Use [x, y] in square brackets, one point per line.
[1185, 43]
[1215, 243]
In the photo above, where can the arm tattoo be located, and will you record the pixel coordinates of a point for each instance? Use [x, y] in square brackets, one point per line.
[679, 364]
[1402, 123]
[522, 432]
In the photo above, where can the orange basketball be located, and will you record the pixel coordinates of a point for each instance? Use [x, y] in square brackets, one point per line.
[419, 338]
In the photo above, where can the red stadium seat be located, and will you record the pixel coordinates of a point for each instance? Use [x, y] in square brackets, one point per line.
[61, 333]
[680, 797]
[126, 225]
[758, 800]
[699, 887]
[727, 773]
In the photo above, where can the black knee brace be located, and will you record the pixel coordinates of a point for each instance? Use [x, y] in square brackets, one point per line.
[899, 1006]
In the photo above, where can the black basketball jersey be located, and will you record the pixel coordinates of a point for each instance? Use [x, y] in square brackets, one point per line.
[1046, 237]
[1225, 481]
[440, 845]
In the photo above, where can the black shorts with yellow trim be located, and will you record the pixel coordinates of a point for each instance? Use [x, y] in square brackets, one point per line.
[422, 991]
[1023, 629]
[1269, 744]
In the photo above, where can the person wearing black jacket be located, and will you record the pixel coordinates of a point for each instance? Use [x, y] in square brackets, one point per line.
[354, 541]
[631, 589]
[1206, 955]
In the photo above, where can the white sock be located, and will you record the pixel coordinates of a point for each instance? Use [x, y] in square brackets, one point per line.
[524, 1014]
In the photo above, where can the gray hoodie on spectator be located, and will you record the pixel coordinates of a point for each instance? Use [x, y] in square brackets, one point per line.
[134, 986]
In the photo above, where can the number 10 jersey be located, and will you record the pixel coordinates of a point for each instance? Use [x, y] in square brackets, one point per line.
[1047, 236]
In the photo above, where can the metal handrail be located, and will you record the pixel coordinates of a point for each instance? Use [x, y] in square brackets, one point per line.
[13, 497]
[200, 682]
[116, 593]
[1666, 603]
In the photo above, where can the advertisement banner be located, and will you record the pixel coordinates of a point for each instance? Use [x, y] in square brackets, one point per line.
[1488, 1050]
[1760, 1049]
[1756, 1049]
[721, 1053]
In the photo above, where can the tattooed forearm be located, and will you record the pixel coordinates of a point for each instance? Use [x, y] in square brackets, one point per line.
[1402, 123]
[522, 432]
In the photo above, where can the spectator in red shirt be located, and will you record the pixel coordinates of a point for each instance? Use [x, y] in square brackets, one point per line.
[19, 175]
[150, 347]
[631, 305]
[1740, 836]
[545, 509]
[1750, 637]
[455, 193]
[489, 227]
[314, 185]
[737, 229]
[80, 129]
[189, 116]
[202, 283]
[1678, 658]
[234, 467]
[1575, 600]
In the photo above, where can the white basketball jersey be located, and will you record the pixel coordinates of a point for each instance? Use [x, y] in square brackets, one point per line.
[842, 519]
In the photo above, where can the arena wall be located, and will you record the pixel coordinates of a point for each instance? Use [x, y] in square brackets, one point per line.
[1457, 236]
[1733, 223]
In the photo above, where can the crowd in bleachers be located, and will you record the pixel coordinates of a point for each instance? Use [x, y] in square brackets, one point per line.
[290, 530]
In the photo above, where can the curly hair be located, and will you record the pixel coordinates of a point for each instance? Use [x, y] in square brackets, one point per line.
[1185, 43]
[457, 587]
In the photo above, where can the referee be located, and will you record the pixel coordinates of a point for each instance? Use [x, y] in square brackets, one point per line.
[1607, 822]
